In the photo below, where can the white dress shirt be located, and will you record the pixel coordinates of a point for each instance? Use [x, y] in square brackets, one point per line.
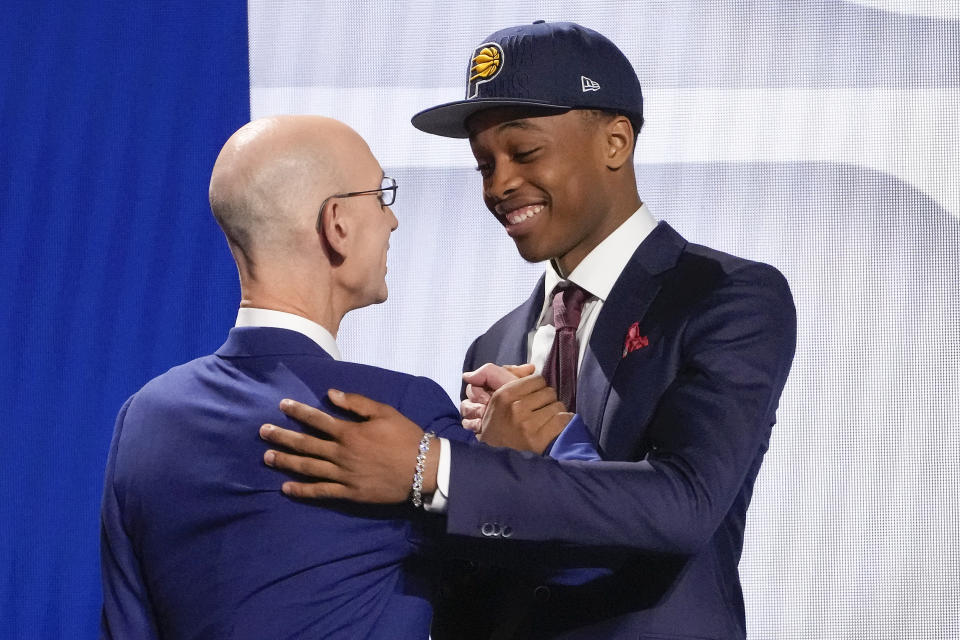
[596, 273]
[255, 317]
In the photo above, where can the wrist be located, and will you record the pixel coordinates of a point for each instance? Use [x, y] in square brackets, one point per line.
[430, 467]
[425, 470]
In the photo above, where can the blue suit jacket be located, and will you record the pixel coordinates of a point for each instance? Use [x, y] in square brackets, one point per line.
[199, 542]
[687, 418]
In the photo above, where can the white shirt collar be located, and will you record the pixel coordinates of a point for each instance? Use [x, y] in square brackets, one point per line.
[599, 270]
[254, 317]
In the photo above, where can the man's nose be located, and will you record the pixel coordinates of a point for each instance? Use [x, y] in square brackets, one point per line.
[395, 223]
[501, 183]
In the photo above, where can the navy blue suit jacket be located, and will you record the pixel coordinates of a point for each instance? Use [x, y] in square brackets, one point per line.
[686, 420]
[199, 542]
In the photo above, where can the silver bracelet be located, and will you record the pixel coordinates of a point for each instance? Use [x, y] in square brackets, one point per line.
[416, 496]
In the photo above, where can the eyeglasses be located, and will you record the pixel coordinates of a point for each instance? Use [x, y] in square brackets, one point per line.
[387, 193]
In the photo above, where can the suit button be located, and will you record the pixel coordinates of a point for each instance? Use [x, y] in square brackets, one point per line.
[506, 531]
[487, 529]
[541, 594]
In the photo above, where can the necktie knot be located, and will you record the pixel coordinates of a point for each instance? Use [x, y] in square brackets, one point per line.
[568, 301]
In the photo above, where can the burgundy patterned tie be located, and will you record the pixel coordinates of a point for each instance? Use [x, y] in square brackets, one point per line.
[560, 369]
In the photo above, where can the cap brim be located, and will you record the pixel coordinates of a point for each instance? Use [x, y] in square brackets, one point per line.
[449, 120]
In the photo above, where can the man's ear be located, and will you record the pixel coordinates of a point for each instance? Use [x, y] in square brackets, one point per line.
[336, 229]
[619, 141]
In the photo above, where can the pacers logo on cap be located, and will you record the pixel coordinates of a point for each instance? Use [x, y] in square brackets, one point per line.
[485, 64]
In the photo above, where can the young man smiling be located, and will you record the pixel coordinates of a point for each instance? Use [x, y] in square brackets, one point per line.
[673, 355]
[559, 183]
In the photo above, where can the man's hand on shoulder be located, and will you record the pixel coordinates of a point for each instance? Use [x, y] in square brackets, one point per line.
[368, 461]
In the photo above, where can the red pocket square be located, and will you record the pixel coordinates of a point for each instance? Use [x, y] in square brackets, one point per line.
[634, 340]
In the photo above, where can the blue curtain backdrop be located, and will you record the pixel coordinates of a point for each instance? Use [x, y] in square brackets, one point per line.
[112, 267]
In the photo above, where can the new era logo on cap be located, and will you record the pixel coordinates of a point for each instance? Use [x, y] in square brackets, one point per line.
[586, 84]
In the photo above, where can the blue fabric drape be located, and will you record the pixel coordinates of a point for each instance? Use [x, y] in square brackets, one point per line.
[112, 267]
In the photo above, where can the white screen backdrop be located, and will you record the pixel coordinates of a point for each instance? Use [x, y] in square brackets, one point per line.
[822, 137]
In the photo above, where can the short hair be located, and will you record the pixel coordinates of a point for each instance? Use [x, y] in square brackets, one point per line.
[595, 117]
[233, 214]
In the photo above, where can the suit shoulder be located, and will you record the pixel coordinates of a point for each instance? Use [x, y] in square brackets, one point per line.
[385, 385]
[378, 376]
[159, 388]
[404, 391]
[720, 268]
[254, 385]
[704, 281]
[509, 319]
[520, 316]
[418, 398]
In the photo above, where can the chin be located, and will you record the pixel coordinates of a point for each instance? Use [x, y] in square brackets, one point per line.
[532, 254]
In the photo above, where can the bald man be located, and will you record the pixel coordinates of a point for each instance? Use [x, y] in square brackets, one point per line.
[197, 540]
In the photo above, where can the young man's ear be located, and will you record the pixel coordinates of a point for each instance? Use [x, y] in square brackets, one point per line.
[335, 229]
[619, 139]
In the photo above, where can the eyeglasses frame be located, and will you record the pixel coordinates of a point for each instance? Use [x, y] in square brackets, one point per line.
[392, 189]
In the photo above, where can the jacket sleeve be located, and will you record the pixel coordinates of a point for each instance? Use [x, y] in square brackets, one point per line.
[708, 434]
[127, 612]
[426, 403]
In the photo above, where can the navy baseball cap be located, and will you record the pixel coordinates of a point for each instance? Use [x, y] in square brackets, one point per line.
[553, 65]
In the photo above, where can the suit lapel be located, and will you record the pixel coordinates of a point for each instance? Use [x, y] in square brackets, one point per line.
[628, 302]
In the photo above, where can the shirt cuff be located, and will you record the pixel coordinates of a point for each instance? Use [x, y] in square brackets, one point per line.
[574, 442]
[437, 503]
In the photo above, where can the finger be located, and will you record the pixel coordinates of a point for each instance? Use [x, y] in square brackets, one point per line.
[520, 370]
[316, 490]
[359, 404]
[520, 387]
[540, 399]
[472, 424]
[313, 417]
[489, 376]
[479, 375]
[548, 415]
[470, 409]
[305, 466]
[295, 441]
[478, 394]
